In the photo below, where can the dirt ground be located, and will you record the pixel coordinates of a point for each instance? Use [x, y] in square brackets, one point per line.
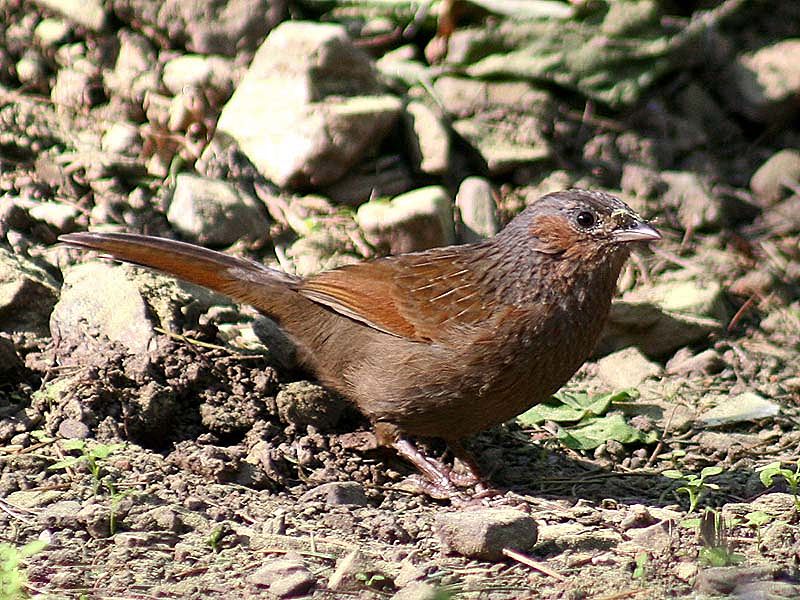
[204, 465]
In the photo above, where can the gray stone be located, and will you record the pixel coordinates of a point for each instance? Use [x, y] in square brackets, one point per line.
[690, 195]
[61, 515]
[309, 106]
[683, 294]
[201, 72]
[213, 212]
[133, 75]
[419, 590]
[684, 362]
[577, 537]
[655, 538]
[304, 403]
[371, 180]
[122, 138]
[27, 295]
[477, 210]
[72, 429]
[774, 179]
[745, 407]
[88, 13]
[483, 533]
[337, 493]
[766, 82]
[499, 147]
[72, 89]
[59, 216]
[100, 303]
[52, 32]
[417, 220]
[428, 139]
[654, 331]
[285, 577]
[626, 368]
[96, 519]
[726, 580]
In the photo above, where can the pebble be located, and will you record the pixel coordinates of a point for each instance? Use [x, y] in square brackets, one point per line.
[428, 139]
[213, 212]
[684, 362]
[745, 407]
[483, 533]
[304, 403]
[417, 220]
[336, 493]
[626, 368]
[770, 183]
[477, 210]
[285, 577]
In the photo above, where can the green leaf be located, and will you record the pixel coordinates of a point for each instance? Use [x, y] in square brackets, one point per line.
[598, 431]
[758, 518]
[672, 474]
[571, 407]
[768, 472]
[711, 471]
[74, 444]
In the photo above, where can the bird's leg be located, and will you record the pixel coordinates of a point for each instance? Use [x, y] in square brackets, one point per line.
[437, 476]
[473, 475]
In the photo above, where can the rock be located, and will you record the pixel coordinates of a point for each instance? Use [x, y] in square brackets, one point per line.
[52, 32]
[640, 181]
[33, 498]
[60, 217]
[371, 180]
[201, 72]
[213, 212]
[304, 403]
[285, 577]
[418, 590]
[510, 139]
[690, 195]
[779, 505]
[428, 139]
[656, 538]
[133, 76]
[337, 493]
[9, 359]
[577, 537]
[626, 368]
[725, 581]
[417, 220]
[318, 251]
[75, 89]
[99, 303]
[771, 182]
[685, 362]
[483, 533]
[72, 429]
[685, 295]
[27, 295]
[766, 82]
[87, 13]
[96, 519]
[654, 331]
[61, 515]
[745, 407]
[499, 145]
[122, 138]
[477, 210]
[308, 107]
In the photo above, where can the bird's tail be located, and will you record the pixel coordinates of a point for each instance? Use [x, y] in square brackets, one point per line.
[243, 280]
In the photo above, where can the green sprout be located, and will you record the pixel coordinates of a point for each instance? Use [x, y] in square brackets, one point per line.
[792, 477]
[716, 551]
[13, 580]
[694, 486]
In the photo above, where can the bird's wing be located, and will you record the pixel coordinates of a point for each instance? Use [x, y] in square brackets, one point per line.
[423, 297]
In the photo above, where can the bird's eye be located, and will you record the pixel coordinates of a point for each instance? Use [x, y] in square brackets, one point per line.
[585, 219]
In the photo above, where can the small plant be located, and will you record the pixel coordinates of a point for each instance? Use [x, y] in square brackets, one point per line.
[716, 551]
[13, 579]
[373, 580]
[792, 477]
[642, 560]
[694, 486]
[756, 520]
[94, 457]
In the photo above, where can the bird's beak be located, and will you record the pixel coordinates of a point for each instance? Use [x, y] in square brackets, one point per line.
[638, 232]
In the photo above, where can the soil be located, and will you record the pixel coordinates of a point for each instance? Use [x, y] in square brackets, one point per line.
[208, 467]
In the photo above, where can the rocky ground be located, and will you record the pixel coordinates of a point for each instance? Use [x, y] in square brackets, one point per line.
[157, 441]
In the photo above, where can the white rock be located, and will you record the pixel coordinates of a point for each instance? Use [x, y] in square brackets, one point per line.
[476, 209]
[417, 220]
[626, 368]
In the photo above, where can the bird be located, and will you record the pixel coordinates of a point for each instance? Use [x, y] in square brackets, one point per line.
[441, 343]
